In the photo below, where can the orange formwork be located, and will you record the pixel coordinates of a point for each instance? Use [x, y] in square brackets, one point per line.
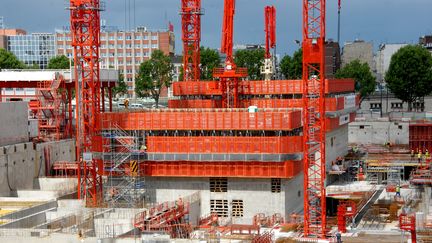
[332, 103]
[287, 169]
[205, 119]
[260, 87]
[265, 145]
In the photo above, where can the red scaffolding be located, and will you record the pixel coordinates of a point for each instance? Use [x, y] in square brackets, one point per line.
[314, 118]
[85, 29]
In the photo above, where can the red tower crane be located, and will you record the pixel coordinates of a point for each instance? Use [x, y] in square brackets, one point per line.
[314, 118]
[85, 30]
[270, 29]
[229, 75]
[191, 36]
[270, 41]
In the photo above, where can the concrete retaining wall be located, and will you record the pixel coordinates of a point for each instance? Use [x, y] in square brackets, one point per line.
[14, 123]
[21, 163]
[379, 132]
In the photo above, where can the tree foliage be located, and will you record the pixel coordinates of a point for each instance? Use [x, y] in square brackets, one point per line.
[59, 62]
[9, 61]
[292, 67]
[154, 75]
[121, 87]
[252, 60]
[209, 59]
[409, 76]
[364, 80]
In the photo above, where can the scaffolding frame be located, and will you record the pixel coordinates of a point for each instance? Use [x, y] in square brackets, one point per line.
[121, 155]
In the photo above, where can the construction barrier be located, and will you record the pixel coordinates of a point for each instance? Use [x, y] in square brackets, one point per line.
[287, 169]
[260, 87]
[211, 119]
[265, 145]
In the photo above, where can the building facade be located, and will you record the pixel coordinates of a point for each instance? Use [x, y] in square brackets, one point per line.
[360, 50]
[33, 50]
[332, 58]
[383, 58]
[124, 50]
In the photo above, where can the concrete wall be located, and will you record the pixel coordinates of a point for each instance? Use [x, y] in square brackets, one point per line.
[379, 132]
[255, 193]
[336, 144]
[14, 123]
[21, 163]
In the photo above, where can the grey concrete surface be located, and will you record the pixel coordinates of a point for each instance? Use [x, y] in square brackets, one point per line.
[14, 123]
[379, 131]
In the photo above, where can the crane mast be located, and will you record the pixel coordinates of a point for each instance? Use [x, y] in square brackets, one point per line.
[85, 31]
[230, 74]
[270, 41]
[191, 36]
[314, 118]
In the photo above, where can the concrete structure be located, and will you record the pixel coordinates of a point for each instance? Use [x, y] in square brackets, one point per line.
[360, 50]
[14, 122]
[378, 131]
[383, 58]
[426, 42]
[389, 103]
[124, 50]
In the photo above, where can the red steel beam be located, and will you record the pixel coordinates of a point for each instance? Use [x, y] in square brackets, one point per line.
[191, 36]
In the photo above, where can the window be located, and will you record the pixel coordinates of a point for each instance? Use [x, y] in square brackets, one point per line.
[103, 37]
[146, 37]
[374, 106]
[128, 54]
[128, 46]
[237, 208]
[119, 46]
[111, 37]
[220, 207]
[218, 184]
[275, 185]
[396, 105]
[145, 46]
[120, 37]
[154, 46]
[138, 37]
[154, 37]
[146, 54]
[128, 37]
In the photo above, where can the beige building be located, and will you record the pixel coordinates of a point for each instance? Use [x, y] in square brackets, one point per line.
[124, 50]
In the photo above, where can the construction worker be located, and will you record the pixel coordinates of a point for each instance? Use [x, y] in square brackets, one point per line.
[126, 104]
[412, 153]
[338, 237]
[398, 191]
[427, 154]
[419, 156]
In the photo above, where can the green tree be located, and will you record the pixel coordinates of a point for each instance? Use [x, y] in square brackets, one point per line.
[59, 62]
[364, 80]
[33, 66]
[9, 61]
[209, 59]
[154, 75]
[252, 60]
[409, 76]
[121, 87]
[292, 67]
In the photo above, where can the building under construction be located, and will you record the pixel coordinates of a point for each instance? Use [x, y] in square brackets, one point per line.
[229, 159]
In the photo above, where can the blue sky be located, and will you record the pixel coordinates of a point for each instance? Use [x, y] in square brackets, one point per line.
[380, 21]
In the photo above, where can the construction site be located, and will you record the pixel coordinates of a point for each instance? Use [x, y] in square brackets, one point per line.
[229, 159]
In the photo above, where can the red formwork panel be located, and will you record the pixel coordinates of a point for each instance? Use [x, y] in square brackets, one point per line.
[239, 169]
[420, 136]
[204, 119]
[260, 87]
[225, 145]
[194, 104]
[335, 123]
